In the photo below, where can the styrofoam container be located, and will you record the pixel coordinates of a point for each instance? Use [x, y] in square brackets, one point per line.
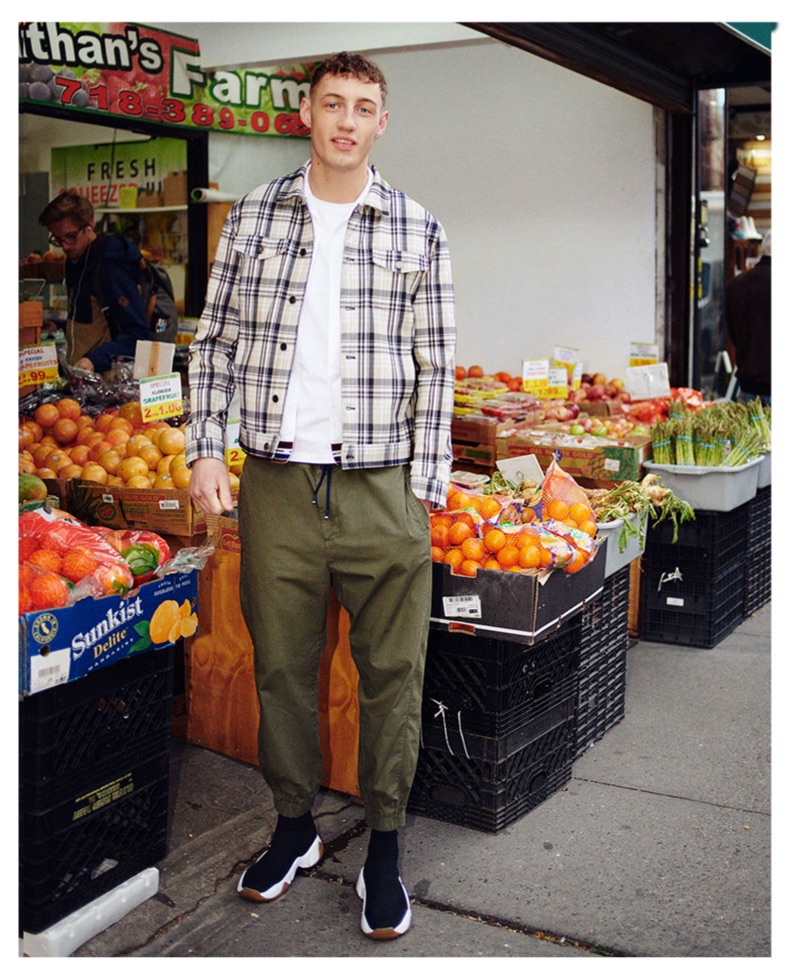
[719, 488]
[765, 471]
[617, 557]
[77, 928]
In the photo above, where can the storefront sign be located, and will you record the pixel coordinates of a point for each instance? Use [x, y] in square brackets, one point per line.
[145, 74]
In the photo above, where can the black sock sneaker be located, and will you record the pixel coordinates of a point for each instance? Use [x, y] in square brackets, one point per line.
[386, 910]
[295, 844]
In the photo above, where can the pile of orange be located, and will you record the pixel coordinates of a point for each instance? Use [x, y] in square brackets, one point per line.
[115, 448]
[462, 538]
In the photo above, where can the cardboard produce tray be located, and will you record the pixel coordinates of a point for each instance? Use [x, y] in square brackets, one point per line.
[512, 606]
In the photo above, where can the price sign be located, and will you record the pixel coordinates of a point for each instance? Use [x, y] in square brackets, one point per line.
[566, 357]
[643, 354]
[557, 382]
[161, 397]
[38, 364]
[535, 377]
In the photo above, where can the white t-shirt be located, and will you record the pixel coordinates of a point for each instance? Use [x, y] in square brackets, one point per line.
[312, 413]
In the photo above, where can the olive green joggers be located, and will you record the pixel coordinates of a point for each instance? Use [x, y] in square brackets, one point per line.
[306, 529]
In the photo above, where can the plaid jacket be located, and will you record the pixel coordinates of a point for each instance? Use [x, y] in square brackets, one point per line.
[397, 331]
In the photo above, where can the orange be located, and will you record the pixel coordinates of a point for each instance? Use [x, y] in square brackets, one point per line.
[458, 499]
[97, 448]
[48, 591]
[132, 411]
[56, 459]
[73, 471]
[45, 473]
[78, 562]
[103, 421]
[46, 415]
[35, 428]
[438, 535]
[181, 476]
[26, 464]
[171, 441]
[469, 567]
[46, 558]
[454, 558]
[489, 507]
[440, 517]
[580, 512]
[577, 563]
[529, 556]
[95, 473]
[508, 555]
[437, 553]
[473, 549]
[120, 422]
[86, 433]
[139, 481]
[68, 408]
[557, 510]
[132, 466]
[493, 565]
[25, 437]
[177, 460]
[79, 454]
[136, 443]
[164, 464]
[458, 533]
[110, 460]
[588, 527]
[494, 539]
[151, 455]
[117, 437]
[527, 515]
[475, 371]
[65, 431]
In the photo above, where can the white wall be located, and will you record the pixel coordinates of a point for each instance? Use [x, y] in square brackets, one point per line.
[545, 182]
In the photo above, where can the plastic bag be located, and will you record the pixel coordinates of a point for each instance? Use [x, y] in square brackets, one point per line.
[564, 500]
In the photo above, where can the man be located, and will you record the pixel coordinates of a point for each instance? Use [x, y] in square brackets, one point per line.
[105, 314]
[748, 323]
[330, 312]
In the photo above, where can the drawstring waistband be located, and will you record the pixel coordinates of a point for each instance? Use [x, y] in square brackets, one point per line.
[325, 475]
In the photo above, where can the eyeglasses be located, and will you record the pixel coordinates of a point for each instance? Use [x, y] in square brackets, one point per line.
[69, 239]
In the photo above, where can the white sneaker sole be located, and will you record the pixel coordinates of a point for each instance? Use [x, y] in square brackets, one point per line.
[307, 860]
[385, 932]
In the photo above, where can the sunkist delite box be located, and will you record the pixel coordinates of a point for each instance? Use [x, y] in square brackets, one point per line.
[57, 646]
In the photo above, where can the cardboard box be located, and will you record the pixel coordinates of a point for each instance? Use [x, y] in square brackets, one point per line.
[57, 646]
[150, 199]
[163, 511]
[593, 466]
[31, 313]
[475, 437]
[175, 189]
[512, 606]
[612, 407]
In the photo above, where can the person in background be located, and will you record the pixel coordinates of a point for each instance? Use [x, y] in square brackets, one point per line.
[748, 326]
[105, 312]
[330, 312]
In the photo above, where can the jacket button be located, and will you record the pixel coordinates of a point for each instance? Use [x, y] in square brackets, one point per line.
[275, 398]
[292, 299]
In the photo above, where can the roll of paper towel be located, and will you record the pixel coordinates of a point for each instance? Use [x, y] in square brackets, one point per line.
[208, 195]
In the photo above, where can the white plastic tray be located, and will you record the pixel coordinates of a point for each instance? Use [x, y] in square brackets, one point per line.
[765, 471]
[718, 488]
[617, 558]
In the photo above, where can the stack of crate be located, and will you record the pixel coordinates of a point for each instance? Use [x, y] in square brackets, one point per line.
[603, 661]
[498, 726]
[693, 590]
[93, 793]
[758, 561]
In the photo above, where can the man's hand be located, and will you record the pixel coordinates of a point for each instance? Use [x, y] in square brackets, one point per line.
[210, 486]
[84, 364]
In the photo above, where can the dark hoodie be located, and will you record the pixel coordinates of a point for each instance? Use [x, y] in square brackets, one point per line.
[118, 263]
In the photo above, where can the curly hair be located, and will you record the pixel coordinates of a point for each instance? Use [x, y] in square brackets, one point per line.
[347, 63]
[67, 204]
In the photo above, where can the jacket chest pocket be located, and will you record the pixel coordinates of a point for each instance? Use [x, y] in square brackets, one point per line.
[397, 275]
[261, 257]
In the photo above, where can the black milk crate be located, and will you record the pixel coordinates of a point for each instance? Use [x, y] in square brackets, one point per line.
[602, 684]
[608, 611]
[495, 686]
[488, 783]
[123, 711]
[88, 841]
[759, 520]
[714, 540]
[757, 579]
[683, 604]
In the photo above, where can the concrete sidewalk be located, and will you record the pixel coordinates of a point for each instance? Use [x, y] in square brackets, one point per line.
[659, 846]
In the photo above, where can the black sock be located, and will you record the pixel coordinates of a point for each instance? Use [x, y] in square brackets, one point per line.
[386, 900]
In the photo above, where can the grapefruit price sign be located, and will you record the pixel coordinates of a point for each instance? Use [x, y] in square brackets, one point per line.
[161, 397]
[38, 364]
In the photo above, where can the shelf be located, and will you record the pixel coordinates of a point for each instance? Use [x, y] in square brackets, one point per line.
[164, 207]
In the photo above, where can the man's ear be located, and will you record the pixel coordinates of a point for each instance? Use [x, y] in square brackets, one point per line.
[382, 124]
[305, 111]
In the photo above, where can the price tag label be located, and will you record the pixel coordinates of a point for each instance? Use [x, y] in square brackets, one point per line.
[566, 357]
[161, 397]
[535, 377]
[38, 364]
[557, 382]
[642, 354]
[234, 454]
